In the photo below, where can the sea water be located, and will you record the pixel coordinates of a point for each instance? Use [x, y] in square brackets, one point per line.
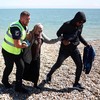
[52, 19]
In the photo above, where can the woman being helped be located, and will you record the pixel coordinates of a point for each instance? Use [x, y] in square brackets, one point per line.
[32, 53]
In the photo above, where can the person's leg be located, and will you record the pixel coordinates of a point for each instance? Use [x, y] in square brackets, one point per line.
[19, 74]
[58, 63]
[35, 65]
[8, 58]
[76, 56]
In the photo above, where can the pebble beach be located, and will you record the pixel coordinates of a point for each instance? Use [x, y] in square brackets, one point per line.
[61, 84]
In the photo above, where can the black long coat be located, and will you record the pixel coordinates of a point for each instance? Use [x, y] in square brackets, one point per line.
[31, 71]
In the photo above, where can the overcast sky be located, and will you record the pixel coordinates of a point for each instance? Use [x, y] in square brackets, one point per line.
[49, 3]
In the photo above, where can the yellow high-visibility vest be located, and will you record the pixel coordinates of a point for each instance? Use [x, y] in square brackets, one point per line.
[8, 43]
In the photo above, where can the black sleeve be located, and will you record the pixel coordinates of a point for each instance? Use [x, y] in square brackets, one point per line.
[82, 40]
[16, 33]
[66, 30]
[61, 30]
[80, 36]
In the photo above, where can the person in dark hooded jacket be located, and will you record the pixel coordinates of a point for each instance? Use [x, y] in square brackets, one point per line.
[71, 33]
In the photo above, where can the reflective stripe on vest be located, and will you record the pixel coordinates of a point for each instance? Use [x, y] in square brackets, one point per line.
[8, 43]
[11, 35]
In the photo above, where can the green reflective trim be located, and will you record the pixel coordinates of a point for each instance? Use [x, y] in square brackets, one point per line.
[9, 34]
[16, 25]
[9, 42]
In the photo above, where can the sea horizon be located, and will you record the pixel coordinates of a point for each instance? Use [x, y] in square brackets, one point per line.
[52, 19]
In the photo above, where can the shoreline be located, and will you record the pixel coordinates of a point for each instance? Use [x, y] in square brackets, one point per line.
[62, 79]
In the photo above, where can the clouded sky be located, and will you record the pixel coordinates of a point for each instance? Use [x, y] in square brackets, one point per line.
[49, 3]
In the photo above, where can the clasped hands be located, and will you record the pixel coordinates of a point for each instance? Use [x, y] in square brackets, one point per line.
[66, 42]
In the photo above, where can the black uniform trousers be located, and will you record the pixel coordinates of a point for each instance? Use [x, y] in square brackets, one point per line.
[10, 59]
[65, 52]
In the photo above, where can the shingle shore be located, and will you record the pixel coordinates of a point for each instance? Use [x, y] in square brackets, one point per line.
[62, 80]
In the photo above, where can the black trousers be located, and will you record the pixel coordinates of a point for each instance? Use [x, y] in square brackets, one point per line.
[10, 59]
[31, 71]
[64, 53]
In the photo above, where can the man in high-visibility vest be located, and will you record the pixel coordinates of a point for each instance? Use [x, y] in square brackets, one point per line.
[12, 51]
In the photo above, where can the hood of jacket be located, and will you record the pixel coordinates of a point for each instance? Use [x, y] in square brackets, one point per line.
[80, 16]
